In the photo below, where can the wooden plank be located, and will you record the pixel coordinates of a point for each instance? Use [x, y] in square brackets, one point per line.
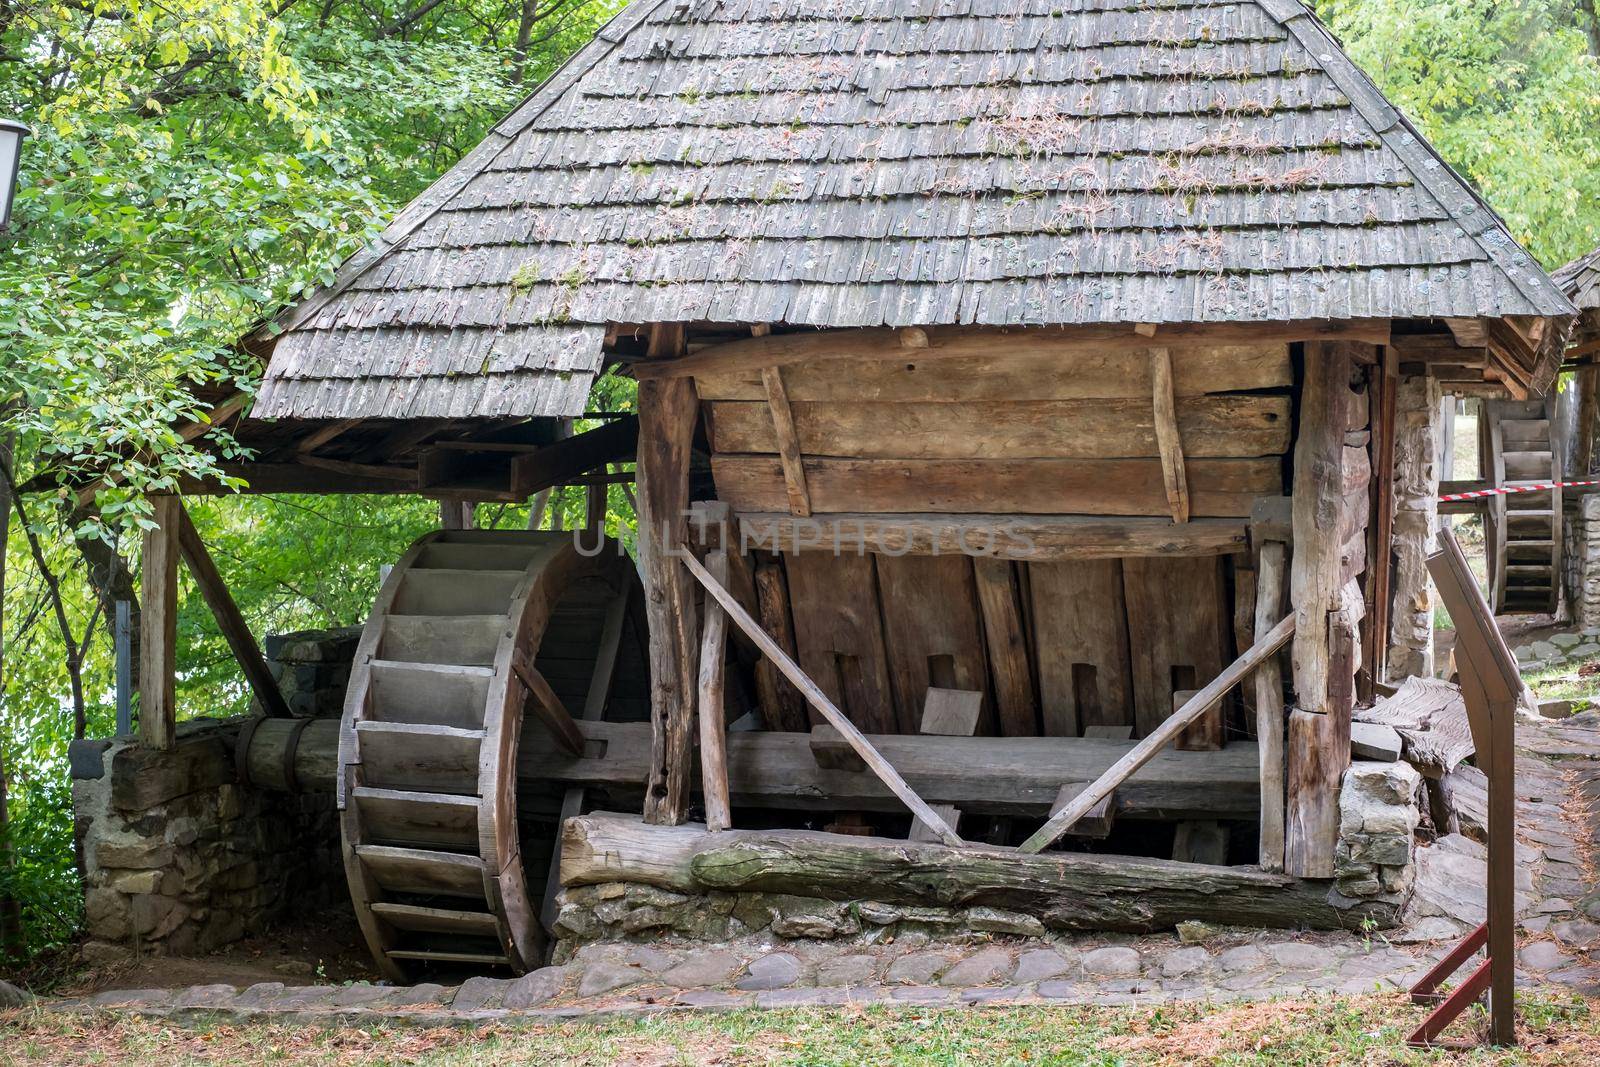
[1097, 821]
[948, 342]
[931, 630]
[782, 706]
[1081, 645]
[838, 630]
[1217, 487]
[569, 457]
[1169, 441]
[1147, 749]
[832, 752]
[921, 831]
[786, 441]
[668, 412]
[546, 705]
[1200, 841]
[1176, 638]
[235, 631]
[818, 699]
[158, 624]
[1017, 537]
[1269, 705]
[951, 712]
[1017, 428]
[1006, 638]
[713, 726]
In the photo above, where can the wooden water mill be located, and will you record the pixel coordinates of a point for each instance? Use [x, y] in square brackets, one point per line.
[470, 630]
[1522, 531]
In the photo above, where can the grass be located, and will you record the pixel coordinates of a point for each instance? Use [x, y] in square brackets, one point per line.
[1331, 1032]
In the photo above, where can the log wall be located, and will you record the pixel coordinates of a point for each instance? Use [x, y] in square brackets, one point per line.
[1092, 629]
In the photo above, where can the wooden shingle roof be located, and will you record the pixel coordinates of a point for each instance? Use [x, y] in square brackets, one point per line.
[1580, 280]
[901, 162]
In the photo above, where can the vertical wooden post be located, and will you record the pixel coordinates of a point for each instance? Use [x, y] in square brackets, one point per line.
[158, 625]
[713, 724]
[1588, 412]
[1270, 722]
[1319, 728]
[668, 410]
[1168, 441]
[457, 514]
[1380, 555]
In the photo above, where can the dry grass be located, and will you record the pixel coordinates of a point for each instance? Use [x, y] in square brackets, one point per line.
[1335, 1032]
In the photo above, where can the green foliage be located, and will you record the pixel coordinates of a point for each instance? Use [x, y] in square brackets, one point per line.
[1508, 91]
[195, 166]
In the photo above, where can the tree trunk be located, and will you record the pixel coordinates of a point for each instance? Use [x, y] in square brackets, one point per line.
[10, 907]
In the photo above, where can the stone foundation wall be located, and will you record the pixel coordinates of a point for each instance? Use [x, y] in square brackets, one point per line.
[180, 856]
[1582, 549]
[1379, 810]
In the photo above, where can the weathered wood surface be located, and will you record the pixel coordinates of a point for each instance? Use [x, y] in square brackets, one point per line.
[1081, 645]
[1006, 638]
[1217, 487]
[782, 706]
[1270, 722]
[1176, 633]
[951, 712]
[1147, 749]
[1169, 438]
[786, 441]
[1016, 537]
[1017, 428]
[713, 722]
[838, 630]
[667, 416]
[158, 624]
[555, 463]
[1431, 718]
[1086, 344]
[1018, 776]
[881, 767]
[1068, 891]
[932, 632]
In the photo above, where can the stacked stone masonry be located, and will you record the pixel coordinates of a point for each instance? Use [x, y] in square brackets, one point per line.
[179, 855]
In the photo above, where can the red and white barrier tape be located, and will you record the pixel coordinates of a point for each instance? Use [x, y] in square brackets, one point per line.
[1508, 489]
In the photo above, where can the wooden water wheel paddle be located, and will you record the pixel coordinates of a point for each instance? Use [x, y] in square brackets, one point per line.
[1522, 531]
[428, 746]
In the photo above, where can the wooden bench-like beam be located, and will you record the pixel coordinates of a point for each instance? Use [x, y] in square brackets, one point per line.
[1160, 737]
[819, 700]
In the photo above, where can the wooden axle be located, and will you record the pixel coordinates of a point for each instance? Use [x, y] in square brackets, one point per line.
[1018, 776]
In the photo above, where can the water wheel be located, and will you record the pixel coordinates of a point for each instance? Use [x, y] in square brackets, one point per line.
[439, 864]
[1522, 531]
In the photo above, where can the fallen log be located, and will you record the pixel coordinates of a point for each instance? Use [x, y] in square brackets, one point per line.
[1066, 891]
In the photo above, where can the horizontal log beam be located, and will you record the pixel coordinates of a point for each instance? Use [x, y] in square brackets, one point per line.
[936, 342]
[1024, 537]
[1067, 891]
[572, 456]
[1018, 776]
